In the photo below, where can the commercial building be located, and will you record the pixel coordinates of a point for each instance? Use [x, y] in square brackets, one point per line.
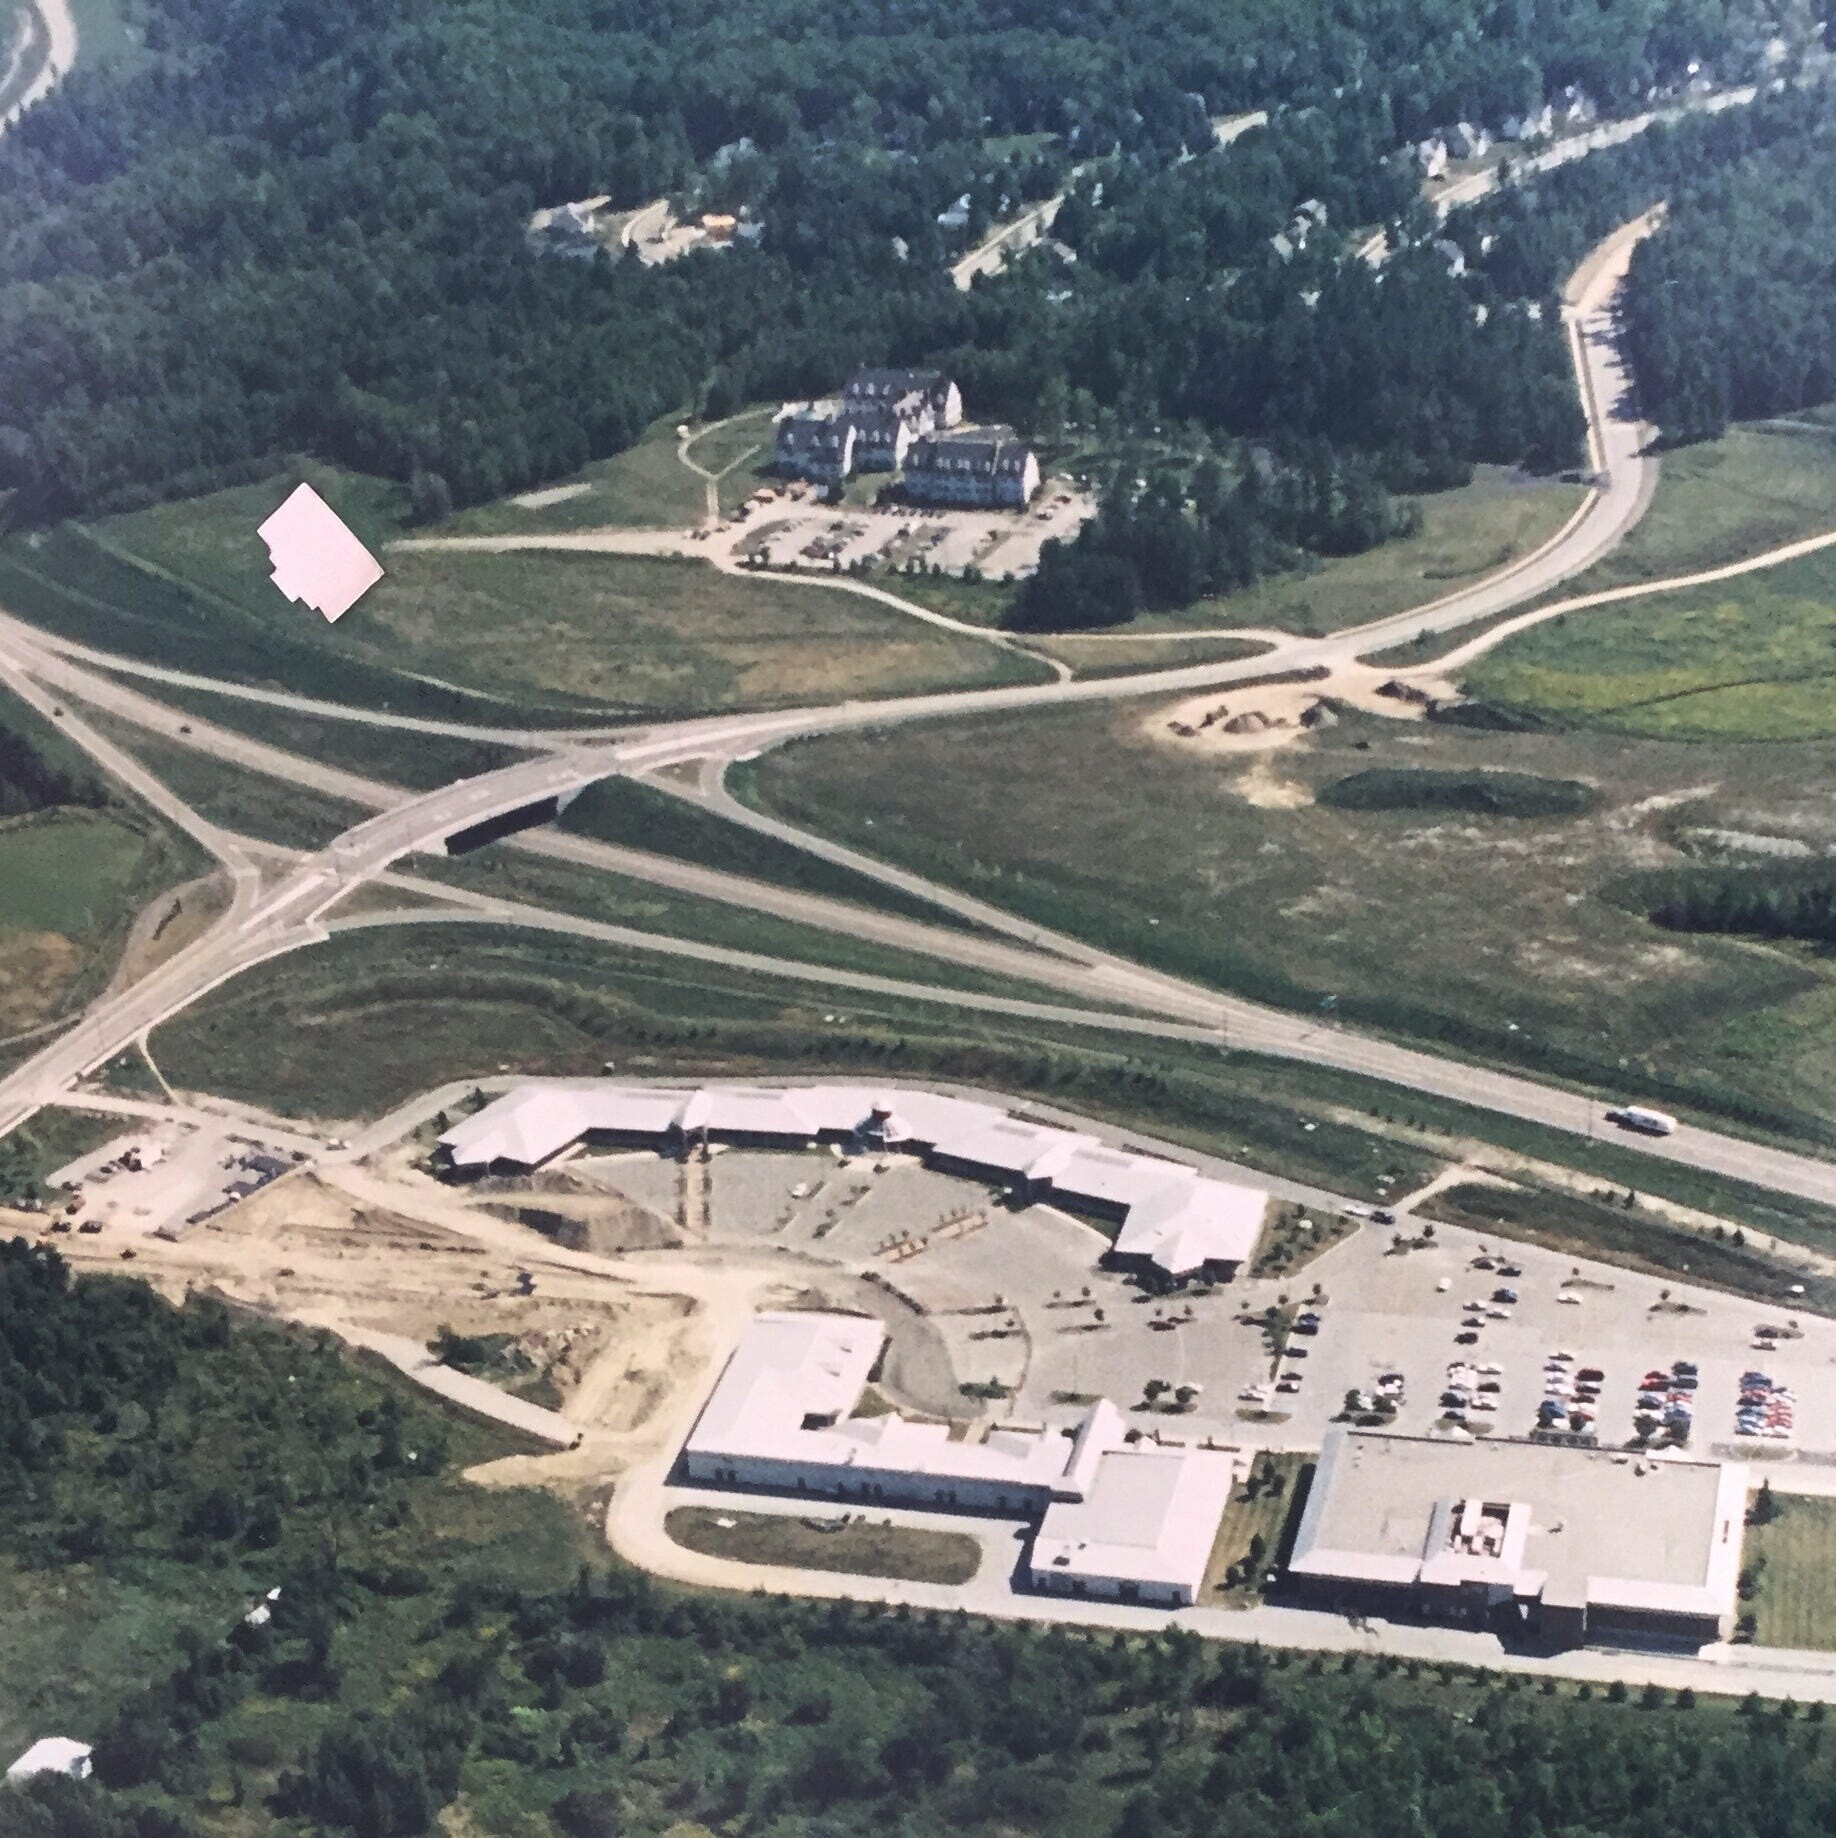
[1169, 1218]
[1565, 1544]
[1132, 1521]
[988, 467]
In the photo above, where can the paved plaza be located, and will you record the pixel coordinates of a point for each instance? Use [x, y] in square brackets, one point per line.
[1019, 1300]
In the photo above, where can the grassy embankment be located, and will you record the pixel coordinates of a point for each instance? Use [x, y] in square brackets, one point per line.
[1486, 935]
[1749, 659]
[640, 817]
[499, 639]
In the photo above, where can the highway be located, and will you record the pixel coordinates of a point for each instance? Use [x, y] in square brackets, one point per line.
[292, 908]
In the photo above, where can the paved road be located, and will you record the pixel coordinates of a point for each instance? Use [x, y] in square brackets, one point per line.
[60, 30]
[292, 911]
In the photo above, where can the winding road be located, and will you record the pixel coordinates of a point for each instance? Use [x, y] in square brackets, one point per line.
[281, 908]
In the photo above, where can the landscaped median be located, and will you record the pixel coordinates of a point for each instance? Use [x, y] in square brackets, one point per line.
[852, 1544]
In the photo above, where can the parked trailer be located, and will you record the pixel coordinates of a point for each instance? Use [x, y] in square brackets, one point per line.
[1638, 1117]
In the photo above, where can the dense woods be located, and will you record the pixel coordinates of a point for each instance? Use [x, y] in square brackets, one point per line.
[1786, 900]
[417, 1652]
[39, 771]
[1731, 311]
[301, 228]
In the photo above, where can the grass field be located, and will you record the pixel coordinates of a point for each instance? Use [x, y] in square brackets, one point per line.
[646, 486]
[1484, 935]
[661, 636]
[1794, 1604]
[65, 872]
[400, 756]
[1466, 534]
[71, 881]
[248, 803]
[545, 635]
[617, 899]
[857, 1548]
[1756, 488]
[641, 817]
[1751, 659]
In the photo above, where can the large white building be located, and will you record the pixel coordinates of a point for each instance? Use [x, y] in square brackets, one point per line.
[1572, 1544]
[1169, 1217]
[1133, 1521]
[52, 1755]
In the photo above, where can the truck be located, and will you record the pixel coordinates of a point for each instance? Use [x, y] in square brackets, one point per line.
[1639, 1117]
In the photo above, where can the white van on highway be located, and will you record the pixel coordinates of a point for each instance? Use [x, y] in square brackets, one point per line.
[1638, 1117]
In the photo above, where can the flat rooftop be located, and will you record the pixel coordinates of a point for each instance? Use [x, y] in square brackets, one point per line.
[1601, 1525]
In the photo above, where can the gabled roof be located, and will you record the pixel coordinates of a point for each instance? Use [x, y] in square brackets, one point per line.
[1185, 1225]
[1033, 1151]
[1151, 1515]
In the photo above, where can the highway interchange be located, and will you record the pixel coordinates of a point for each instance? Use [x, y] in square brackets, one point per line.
[285, 902]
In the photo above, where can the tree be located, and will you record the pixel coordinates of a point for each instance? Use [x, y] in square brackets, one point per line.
[430, 498]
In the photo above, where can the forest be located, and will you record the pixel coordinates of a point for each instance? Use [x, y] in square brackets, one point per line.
[300, 229]
[433, 1643]
[1782, 901]
[1731, 311]
[39, 770]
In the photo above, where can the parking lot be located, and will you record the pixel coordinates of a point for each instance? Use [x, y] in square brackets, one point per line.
[165, 1177]
[795, 532]
[1460, 1330]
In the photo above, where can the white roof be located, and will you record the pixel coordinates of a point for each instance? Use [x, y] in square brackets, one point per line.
[1384, 1507]
[533, 1122]
[1174, 1216]
[1115, 1176]
[317, 560]
[1033, 1150]
[1151, 1516]
[793, 1367]
[777, 1111]
[1185, 1225]
[51, 1755]
[789, 1366]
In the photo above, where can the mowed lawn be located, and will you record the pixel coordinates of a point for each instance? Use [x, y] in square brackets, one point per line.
[1749, 659]
[1795, 1602]
[1492, 935]
[66, 871]
[555, 632]
[1466, 534]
